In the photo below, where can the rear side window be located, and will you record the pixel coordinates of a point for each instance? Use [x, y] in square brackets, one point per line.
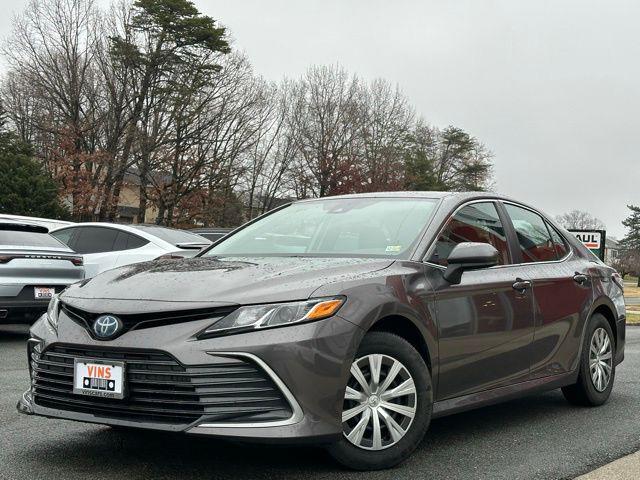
[558, 242]
[478, 222]
[533, 235]
[28, 239]
[128, 241]
[95, 240]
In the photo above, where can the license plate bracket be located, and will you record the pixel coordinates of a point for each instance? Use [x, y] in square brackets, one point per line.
[99, 378]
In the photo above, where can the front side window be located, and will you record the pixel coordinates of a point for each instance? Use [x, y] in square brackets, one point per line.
[95, 240]
[478, 222]
[385, 227]
[533, 235]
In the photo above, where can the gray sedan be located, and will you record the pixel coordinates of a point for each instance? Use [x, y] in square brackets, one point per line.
[348, 321]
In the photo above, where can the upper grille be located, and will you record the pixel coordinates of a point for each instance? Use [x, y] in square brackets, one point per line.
[147, 320]
[160, 389]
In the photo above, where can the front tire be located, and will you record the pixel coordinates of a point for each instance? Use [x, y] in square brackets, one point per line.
[597, 368]
[387, 406]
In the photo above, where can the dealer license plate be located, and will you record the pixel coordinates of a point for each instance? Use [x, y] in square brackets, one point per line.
[43, 292]
[98, 378]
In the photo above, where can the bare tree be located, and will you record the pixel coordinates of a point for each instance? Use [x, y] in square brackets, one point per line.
[387, 119]
[235, 119]
[325, 122]
[580, 220]
[147, 91]
[52, 48]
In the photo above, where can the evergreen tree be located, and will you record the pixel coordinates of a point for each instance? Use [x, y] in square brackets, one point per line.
[631, 242]
[25, 188]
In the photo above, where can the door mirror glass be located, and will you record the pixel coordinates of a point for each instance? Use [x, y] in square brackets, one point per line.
[469, 256]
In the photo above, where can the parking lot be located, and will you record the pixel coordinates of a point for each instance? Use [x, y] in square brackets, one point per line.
[536, 437]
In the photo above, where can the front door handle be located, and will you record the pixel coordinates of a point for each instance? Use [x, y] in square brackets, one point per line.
[521, 285]
[580, 278]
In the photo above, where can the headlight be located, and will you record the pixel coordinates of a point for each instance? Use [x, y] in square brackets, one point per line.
[52, 312]
[256, 317]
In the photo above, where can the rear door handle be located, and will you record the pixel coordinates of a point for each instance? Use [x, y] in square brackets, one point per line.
[580, 278]
[521, 285]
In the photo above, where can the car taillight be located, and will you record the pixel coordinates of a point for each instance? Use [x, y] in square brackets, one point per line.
[76, 260]
[617, 279]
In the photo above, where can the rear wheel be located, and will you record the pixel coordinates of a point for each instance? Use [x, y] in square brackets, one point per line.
[387, 404]
[597, 368]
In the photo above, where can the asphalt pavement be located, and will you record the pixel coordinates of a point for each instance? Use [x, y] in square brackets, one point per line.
[538, 437]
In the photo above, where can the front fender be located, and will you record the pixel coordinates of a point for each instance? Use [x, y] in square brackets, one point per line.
[403, 291]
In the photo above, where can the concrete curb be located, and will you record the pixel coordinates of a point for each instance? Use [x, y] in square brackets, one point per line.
[625, 468]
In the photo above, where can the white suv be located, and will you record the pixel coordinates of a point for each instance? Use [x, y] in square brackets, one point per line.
[107, 245]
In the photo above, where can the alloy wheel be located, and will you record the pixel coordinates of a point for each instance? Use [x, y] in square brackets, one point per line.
[600, 359]
[379, 402]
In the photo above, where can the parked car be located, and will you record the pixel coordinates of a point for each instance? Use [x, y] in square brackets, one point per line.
[33, 267]
[349, 321]
[212, 234]
[109, 245]
[45, 222]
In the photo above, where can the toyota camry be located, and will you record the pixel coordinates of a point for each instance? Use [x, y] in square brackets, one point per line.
[349, 322]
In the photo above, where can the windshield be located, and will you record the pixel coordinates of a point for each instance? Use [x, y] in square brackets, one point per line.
[387, 227]
[171, 235]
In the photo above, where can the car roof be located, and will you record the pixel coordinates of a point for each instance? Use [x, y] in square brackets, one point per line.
[36, 220]
[436, 195]
[144, 233]
[118, 226]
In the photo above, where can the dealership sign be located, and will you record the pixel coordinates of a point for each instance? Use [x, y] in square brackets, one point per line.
[594, 240]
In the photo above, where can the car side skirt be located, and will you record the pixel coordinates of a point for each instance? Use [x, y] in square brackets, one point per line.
[501, 394]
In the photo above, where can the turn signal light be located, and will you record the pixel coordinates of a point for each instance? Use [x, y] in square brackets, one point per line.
[324, 309]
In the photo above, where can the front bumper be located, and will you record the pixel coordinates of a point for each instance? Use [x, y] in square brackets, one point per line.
[308, 363]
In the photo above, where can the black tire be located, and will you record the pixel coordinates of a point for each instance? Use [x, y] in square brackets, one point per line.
[396, 347]
[583, 392]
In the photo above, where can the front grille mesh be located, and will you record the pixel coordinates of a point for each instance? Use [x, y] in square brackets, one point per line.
[159, 389]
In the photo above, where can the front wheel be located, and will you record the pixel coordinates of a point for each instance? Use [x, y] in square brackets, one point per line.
[597, 367]
[387, 404]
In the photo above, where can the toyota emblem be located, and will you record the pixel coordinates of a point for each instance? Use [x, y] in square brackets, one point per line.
[107, 326]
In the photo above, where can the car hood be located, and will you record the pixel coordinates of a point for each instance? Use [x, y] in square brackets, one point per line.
[217, 281]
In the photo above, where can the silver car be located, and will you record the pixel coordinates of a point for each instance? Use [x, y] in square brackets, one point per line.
[33, 267]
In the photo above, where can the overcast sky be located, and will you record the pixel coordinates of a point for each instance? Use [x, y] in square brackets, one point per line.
[552, 87]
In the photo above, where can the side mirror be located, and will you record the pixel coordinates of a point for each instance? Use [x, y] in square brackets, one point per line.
[469, 256]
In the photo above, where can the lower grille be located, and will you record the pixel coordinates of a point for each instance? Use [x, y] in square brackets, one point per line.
[160, 389]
